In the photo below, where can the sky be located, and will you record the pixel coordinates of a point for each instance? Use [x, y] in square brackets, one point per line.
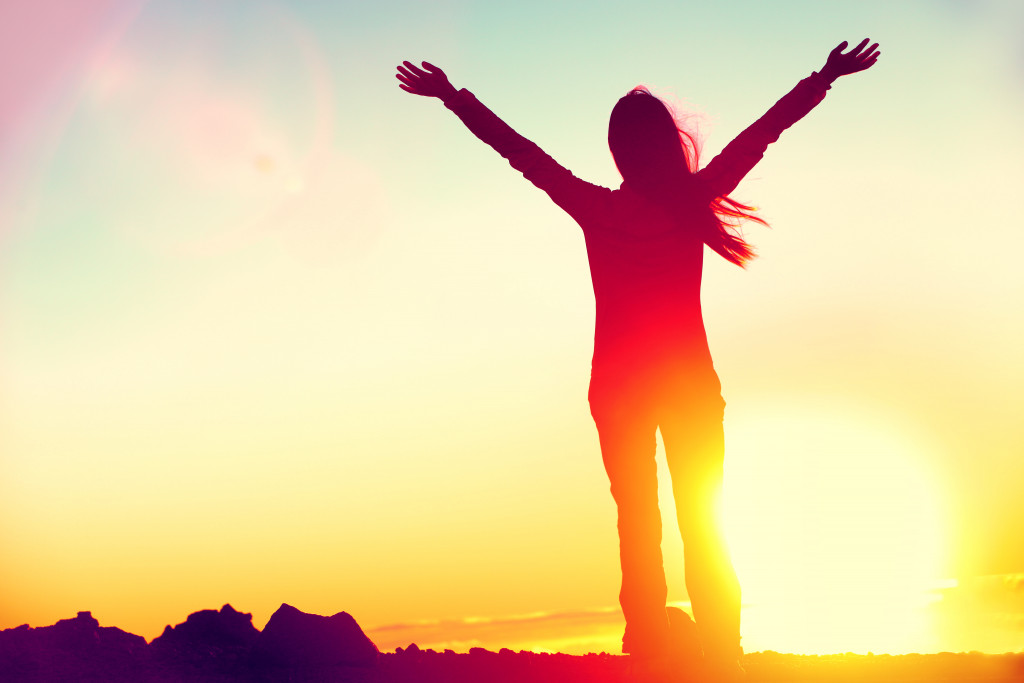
[273, 330]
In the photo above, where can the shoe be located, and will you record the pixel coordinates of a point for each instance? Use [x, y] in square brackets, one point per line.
[684, 639]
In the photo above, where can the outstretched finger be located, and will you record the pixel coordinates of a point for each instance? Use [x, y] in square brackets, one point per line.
[869, 55]
[415, 69]
[435, 70]
[860, 46]
[407, 74]
[867, 51]
[867, 63]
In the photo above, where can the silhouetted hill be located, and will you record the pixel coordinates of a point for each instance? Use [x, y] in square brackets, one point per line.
[218, 646]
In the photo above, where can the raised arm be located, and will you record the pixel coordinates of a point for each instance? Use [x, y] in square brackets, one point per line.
[725, 171]
[567, 191]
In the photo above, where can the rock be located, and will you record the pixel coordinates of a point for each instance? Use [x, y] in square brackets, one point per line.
[71, 648]
[295, 638]
[113, 639]
[207, 634]
[83, 635]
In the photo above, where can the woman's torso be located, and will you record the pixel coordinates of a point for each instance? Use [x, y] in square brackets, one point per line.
[646, 267]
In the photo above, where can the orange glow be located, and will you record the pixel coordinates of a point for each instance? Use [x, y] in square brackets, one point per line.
[271, 332]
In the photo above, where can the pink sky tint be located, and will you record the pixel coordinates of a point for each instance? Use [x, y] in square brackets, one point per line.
[231, 170]
[45, 47]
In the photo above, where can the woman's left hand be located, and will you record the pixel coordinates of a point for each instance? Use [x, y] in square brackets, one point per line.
[429, 81]
[855, 60]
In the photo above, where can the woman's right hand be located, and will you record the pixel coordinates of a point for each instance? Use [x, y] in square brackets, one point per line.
[855, 60]
[429, 81]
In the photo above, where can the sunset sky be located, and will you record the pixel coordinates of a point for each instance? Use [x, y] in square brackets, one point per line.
[273, 330]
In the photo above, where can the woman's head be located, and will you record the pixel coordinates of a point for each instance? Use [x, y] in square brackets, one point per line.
[648, 147]
[658, 159]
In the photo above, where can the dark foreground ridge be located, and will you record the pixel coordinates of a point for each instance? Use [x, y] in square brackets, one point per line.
[222, 646]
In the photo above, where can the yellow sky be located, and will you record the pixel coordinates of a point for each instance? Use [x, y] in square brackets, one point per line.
[271, 330]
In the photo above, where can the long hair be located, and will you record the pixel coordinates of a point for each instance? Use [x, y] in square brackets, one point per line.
[658, 158]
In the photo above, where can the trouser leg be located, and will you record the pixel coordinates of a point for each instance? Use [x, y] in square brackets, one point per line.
[695, 449]
[628, 450]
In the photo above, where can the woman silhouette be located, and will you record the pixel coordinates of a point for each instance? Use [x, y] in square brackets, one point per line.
[651, 366]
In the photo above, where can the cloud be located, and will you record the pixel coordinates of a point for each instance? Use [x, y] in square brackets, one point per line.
[570, 631]
[984, 613]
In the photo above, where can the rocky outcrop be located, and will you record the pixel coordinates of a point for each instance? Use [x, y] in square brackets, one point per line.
[71, 649]
[295, 638]
[210, 630]
[216, 645]
[208, 635]
[80, 649]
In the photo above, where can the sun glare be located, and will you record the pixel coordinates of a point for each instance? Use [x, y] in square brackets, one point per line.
[835, 531]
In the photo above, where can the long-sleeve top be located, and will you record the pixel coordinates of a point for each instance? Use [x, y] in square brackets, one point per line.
[645, 265]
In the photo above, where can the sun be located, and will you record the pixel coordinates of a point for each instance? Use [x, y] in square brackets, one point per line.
[835, 530]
